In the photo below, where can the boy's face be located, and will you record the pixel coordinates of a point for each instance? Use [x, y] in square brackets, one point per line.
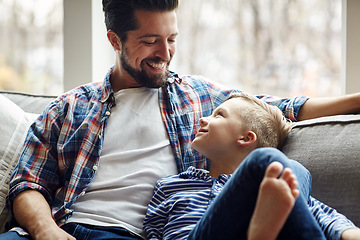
[220, 132]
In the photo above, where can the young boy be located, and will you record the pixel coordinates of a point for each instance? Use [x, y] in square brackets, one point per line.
[256, 201]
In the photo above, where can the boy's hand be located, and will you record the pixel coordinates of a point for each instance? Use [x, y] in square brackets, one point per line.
[351, 234]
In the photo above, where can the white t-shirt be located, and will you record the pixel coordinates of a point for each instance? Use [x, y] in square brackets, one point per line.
[135, 154]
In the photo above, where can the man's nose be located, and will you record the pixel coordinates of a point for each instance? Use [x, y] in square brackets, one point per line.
[163, 51]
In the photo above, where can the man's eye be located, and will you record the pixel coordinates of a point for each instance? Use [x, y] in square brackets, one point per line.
[149, 43]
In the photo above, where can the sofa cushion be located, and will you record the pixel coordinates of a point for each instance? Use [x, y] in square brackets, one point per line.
[330, 149]
[14, 124]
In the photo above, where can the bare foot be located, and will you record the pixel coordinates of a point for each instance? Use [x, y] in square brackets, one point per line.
[275, 201]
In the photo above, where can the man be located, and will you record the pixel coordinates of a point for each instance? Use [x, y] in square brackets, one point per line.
[116, 130]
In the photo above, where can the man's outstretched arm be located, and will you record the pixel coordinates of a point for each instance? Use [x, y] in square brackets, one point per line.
[320, 107]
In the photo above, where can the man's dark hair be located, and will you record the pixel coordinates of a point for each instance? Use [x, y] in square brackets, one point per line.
[120, 14]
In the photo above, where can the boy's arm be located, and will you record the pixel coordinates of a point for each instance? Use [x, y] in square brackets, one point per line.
[331, 222]
[351, 234]
[156, 215]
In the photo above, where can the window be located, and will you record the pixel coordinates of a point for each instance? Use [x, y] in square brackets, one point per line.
[31, 49]
[283, 48]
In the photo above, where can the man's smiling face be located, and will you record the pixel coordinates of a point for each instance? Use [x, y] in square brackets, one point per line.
[148, 50]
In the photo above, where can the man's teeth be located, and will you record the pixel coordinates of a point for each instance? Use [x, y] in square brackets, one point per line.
[157, 65]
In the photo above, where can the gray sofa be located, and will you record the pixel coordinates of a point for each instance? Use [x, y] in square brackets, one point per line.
[329, 147]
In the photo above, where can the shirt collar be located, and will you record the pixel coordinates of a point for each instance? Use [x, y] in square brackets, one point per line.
[196, 173]
[107, 90]
[174, 77]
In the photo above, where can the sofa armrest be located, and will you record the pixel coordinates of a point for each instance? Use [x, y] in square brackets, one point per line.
[17, 112]
[329, 148]
[29, 102]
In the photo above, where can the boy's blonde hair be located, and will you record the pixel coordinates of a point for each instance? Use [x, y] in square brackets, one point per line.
[267, 121]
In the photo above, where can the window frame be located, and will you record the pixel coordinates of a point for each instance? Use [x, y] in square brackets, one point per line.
[350, 71]
[87, 52]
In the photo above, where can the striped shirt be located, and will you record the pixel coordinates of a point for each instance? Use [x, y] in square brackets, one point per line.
[62, 149]
[181, 200]
[331, 222]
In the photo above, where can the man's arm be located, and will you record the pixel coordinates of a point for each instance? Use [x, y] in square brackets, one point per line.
[319, 107]
[33, 213]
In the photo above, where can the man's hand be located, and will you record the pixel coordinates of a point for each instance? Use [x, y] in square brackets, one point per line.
[33, 213]
[351, 234]
[52, 232]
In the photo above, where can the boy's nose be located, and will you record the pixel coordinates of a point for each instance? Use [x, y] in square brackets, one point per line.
[204, 121]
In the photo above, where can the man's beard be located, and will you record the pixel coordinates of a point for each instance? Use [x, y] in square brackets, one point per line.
[141, 76]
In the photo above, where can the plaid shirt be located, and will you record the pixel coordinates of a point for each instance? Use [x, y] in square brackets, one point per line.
[62, 149]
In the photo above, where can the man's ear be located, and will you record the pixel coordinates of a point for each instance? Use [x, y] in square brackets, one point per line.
[247, 139]
[114, 40]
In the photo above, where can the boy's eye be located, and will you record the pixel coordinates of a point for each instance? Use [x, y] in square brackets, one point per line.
[218, 114]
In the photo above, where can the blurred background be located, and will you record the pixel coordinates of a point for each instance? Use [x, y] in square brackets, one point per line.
[277, 47]
[31, 46]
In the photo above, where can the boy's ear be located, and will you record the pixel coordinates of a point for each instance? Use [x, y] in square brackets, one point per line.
[114, 40]
[249, 138]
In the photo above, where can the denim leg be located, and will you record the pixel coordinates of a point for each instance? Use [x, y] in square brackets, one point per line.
[229, 216]
[12, 235]
[89, 232]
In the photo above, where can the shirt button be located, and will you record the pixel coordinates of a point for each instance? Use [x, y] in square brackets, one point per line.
[67, 211]
[108, 113]
[95, 168]
[62, 220]
[82, 193]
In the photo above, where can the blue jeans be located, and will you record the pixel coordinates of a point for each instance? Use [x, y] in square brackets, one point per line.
[229, 215]
[83, 232]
